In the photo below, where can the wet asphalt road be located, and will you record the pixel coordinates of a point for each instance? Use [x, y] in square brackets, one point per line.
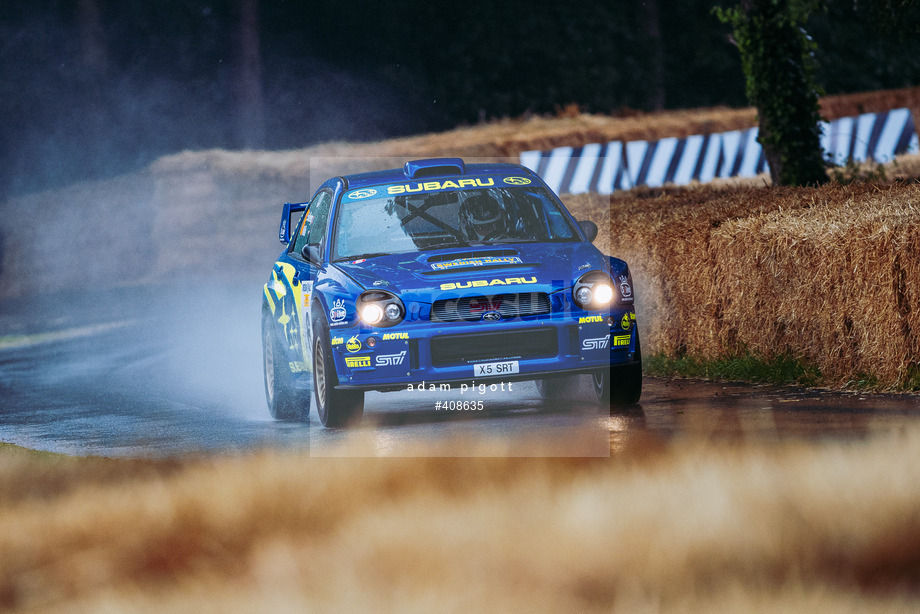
[158, 370]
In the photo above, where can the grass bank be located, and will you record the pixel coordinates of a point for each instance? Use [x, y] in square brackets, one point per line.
[783, 369]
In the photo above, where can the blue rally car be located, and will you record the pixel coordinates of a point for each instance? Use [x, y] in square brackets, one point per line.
[441, 273]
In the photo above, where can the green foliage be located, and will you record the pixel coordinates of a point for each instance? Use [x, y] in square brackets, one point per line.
[784, 369]
[911, 379]
[854, 172]
[381, 69]
[777, 58]
[867, 45]
[748, 367]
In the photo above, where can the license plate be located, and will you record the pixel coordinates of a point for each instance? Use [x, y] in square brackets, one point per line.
[507, 367]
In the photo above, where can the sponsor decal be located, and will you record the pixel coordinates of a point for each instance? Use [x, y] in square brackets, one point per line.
[353, 362]
[480, 283]
[443, 266]
[360, 261]
[337, 341]
[305, 300]
[598, 343]
[393, 336]
[584, 266]
[590, 319]
[517, 180]
[626, 322]
[387, 360]
[625, 288]
[620, 341]
[430, 186]
[354, 344]
[362, 193]
[337, 313]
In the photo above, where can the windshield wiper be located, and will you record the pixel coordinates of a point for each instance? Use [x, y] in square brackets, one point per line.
[363, 256]
[443, 244]
[510, 240]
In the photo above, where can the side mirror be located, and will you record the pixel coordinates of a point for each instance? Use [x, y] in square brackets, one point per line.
[288, 220]
[311, 253]
[589, 229]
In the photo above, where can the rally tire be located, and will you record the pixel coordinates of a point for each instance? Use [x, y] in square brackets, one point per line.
[336, 408]
[556, 388]
[620, 385]
[284, 401]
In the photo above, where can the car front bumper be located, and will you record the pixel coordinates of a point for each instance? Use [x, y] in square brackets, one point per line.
[417, 353]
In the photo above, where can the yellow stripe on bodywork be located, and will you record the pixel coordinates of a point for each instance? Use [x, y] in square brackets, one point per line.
[268, 297]
[288, 271]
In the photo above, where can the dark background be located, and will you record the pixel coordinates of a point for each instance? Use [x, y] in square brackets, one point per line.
[94, 88]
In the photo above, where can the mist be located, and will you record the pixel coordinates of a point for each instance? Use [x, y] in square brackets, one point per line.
[149, 370]
[92, 101]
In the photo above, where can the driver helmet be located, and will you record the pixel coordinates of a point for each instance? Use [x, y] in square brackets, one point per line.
[481, 218]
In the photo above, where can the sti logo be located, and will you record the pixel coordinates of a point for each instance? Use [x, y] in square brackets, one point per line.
[481, 306]
[598, 343]
[387, 360]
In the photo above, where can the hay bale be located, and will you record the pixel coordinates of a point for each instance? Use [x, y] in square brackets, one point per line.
[831, 275]
[834, 282]
[664, 235]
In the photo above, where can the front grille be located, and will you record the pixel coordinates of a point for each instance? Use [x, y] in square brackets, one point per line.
[472, 308]
[510, 345]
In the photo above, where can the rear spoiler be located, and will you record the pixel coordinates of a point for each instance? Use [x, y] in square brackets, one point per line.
[287, 222]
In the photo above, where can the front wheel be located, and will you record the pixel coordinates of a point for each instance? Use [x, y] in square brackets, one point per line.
[557, 388]
[284, 401]
[620, 385]
[335, 407]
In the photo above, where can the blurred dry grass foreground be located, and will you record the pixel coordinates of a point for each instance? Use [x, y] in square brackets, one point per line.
[831, 527]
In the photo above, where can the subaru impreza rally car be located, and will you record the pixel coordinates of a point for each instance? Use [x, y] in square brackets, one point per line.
[441, 273]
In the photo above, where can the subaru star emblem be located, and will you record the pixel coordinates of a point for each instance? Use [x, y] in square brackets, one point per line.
[492, 316]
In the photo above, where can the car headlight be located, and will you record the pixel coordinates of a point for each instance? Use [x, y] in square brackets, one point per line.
[380, 308]
[372, 314]
[593, 290]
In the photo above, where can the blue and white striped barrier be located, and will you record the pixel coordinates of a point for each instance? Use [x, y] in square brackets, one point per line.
[604, 168]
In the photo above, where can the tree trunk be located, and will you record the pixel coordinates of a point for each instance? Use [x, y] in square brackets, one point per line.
[93, 55]
[656, 88]
[250, 120]
[778, 66]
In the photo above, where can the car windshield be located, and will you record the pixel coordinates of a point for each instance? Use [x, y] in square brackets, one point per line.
[367, 227]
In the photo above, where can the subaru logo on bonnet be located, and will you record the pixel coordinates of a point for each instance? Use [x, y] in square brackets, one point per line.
[492, 316]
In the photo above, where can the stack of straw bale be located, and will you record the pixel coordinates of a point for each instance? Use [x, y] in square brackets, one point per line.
[835, 282]
[830, 275]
